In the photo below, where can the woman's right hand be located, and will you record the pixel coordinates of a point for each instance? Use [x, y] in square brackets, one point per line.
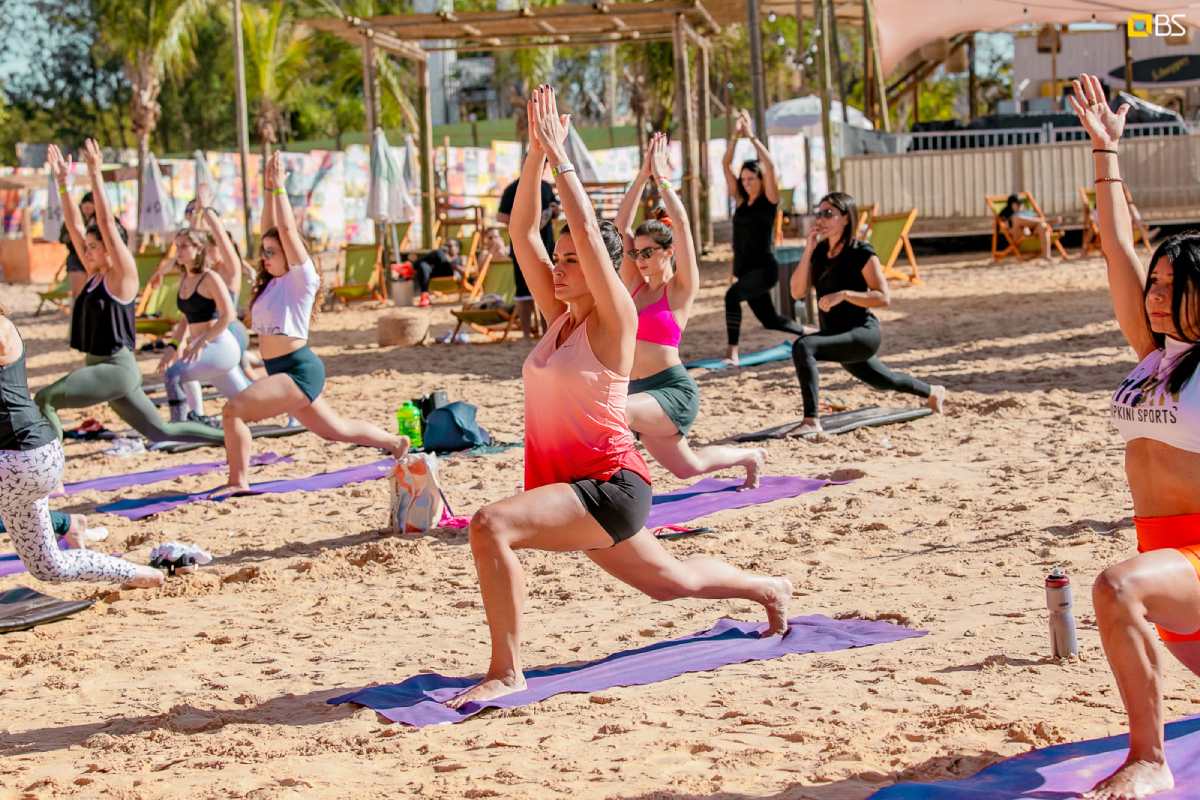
[1102, 123]
[168, 358]
[647, 168]
[60, 168]
[91, 155]
[813, 238]
[660, 157]
[269, 173]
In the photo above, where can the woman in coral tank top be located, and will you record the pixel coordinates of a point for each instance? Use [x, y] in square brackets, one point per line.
[586, 485]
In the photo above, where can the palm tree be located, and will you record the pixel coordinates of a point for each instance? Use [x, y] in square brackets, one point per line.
[277, 48]
[151, 37]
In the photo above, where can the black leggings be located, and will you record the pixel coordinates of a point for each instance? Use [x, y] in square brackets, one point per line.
[754, 288]
[855, 351]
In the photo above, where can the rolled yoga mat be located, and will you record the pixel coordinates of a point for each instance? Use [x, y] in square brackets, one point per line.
[256, 432]
[780, 352]
[144, 507]
[715, 494]
[22, 609]
[418, 700]
[1065, 770]
[843, 422]
[114, 483]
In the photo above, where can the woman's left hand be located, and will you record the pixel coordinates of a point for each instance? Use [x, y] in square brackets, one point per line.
[660, 150]
[548, 125]
[193, 350]
[830, 300]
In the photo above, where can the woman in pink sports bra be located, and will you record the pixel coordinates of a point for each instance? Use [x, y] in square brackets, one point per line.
[586, 486]
[663, 279]
[1157, 411]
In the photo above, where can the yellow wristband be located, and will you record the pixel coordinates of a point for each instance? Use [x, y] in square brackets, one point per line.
[63, 191]
[278, 191]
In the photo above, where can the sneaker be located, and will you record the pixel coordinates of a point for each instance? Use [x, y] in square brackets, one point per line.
[126, 447]
[425, 300]
[212, 422]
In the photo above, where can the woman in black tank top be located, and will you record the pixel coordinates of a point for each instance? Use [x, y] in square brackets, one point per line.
[31, 467]
[755, 270]
[102, 323]
[849, 281]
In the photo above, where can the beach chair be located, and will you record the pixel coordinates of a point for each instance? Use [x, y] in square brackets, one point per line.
[862, 228]
[147, 262]
[58, 295]
[362, 274]
[1028, 247]
[889, 236]
[158, 307]
[497, 278]
[1091, 223]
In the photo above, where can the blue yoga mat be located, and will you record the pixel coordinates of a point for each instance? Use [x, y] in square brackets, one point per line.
[1063, 771]
[780, 352]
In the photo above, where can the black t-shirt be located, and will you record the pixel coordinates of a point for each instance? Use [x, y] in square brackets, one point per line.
[440, 263]
[506, 206]
[754, 236]
[100, 324]
[842, 274]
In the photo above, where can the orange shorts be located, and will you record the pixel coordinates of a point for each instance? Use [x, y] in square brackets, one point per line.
[1180, 532]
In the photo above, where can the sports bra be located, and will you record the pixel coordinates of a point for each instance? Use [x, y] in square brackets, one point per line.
[657, 323]
[1142, 408]
[196, 307]
[285, 305]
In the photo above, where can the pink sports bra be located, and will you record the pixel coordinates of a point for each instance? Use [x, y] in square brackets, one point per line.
[657, 323]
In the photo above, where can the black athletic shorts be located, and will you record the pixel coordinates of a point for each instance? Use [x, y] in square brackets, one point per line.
[620, 504]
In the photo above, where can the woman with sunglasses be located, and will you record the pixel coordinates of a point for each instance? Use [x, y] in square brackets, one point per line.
[282, 306]
[755, 270]
[661, 271]
[587, 488]
[849, 281]
[102, 322]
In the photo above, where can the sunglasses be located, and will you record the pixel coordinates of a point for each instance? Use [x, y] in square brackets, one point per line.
[828, 213]
[644, 253]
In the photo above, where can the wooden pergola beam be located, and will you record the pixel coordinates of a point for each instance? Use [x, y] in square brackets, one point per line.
[562, 39]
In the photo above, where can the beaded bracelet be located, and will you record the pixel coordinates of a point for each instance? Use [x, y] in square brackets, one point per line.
[665, 184]
[1102, 150]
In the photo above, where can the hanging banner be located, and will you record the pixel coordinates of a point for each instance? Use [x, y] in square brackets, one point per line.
[1180, 70]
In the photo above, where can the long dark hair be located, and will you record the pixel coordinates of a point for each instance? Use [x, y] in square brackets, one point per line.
[614, 243]
[848, 206]
[755, 167]
[95, 230]
[1183, 251]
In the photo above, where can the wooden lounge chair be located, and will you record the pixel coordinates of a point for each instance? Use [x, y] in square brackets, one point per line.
[362, 274]
[1091, 223]
[889, 235]
[498, 278]
[58, 295]
[158, 306]
[147, 262]
[862, 229]
[1029, 246]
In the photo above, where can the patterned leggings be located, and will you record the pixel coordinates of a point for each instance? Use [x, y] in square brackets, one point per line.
[28, 477]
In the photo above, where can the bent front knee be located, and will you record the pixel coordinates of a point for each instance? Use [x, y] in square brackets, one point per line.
[486, 530]
[1115, 592]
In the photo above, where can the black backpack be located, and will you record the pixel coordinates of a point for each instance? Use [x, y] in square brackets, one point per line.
[452, 427]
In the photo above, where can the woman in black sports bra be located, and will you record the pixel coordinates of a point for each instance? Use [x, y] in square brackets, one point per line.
[849, 281]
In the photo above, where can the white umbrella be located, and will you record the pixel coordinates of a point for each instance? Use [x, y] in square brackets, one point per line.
[387, 195]
[158, 211]
[578, 155]
[203, 174]
[802, 113]
[52, 227]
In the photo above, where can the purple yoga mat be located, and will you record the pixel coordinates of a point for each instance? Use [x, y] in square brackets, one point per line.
[144, 507]
[714, 494]
[1063, 771]
[418, 700]
[113, 483]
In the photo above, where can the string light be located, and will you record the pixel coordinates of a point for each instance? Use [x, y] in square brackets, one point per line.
[780, 41]
[771, 16]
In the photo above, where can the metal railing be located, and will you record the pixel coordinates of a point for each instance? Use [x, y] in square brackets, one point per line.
[860, 142]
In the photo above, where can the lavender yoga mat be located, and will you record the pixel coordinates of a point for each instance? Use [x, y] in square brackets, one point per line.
[113, 483]
[418, 700]
[144, 507]
[1063, 771]
[714, 494]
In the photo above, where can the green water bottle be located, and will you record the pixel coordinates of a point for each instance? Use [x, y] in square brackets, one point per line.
[408, 423]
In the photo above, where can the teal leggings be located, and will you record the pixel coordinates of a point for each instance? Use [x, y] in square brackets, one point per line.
[116, 380]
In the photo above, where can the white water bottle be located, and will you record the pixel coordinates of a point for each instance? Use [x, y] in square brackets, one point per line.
[1062, 620]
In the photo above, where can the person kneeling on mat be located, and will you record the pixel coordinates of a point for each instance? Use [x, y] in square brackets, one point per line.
[586, 485]
[282, 306]
[849, 281]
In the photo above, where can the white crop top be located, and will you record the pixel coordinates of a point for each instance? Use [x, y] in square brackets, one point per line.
[285, 306]
[1143, 409]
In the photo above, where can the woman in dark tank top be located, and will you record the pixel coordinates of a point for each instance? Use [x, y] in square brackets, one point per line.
[849, 281]
[102, 321]
[755, 270]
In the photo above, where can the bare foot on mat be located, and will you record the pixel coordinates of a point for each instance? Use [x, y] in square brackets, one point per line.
[488, 689]
[1134, 780]
[775, 601]
[754, 467]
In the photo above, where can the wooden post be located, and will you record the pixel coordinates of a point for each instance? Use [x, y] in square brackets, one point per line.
[425, 118]
[757, 79]
[868, 77]
[837, 61]
[1128, 61]
[826, 79]
[687, 129]
[368, 55]
[972, 80]
[705, 125]
[243, 124]
[877, 61]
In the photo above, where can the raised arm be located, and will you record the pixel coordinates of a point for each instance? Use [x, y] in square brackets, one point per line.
[230, 268]
[268, 213]
[614, 307]
[285, 220]
[524, 232]
[123, 280]
[1126, 275]
[802, 276]
[628, 211]
[770, 182]
[686, 281]
[72, 220]
[731, 178]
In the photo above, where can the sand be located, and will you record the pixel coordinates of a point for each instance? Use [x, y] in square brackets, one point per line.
[214, 687]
